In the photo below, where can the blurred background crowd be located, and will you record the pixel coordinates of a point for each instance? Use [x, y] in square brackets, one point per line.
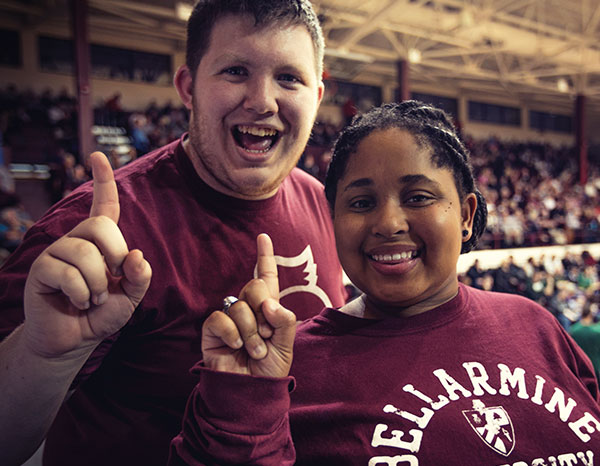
[532, 190]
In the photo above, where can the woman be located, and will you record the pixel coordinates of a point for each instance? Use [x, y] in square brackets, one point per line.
[419, 370]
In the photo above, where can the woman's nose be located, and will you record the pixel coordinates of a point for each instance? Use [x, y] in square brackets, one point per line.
[390, 219]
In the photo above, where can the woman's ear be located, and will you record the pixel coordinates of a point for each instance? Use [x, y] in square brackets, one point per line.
[184, 84]
[468, 209]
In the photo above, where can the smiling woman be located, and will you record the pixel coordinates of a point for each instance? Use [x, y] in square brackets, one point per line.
[419, 370]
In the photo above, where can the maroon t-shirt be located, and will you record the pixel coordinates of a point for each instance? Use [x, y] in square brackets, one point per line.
[486, 379]
[202, 247]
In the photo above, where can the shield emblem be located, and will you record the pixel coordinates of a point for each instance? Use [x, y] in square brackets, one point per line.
[493, 425]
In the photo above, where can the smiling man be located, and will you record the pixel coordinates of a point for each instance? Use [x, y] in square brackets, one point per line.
[81, 319]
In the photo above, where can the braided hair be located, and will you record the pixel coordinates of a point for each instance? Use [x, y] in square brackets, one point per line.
[431, 127]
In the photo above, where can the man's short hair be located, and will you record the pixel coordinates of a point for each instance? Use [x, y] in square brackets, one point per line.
[265, 12]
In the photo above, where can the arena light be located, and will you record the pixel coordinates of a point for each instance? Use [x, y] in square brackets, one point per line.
[414, 56]
[183, 10]
[562, 85]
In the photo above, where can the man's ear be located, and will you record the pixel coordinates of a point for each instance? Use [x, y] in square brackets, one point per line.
[321, 92]
[184, 84]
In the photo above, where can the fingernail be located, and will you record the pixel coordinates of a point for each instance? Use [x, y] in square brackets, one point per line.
[259, 350]
[238, 343]
[265, 330]
[118, 271]
[101, 298]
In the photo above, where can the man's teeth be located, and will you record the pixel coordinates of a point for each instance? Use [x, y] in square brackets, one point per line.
[254, 131]
[394, 257]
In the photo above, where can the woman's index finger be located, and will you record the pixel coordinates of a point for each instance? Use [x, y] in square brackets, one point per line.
[106, 197]
[266, 265]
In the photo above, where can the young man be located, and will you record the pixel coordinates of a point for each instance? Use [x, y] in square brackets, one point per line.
[187, 215]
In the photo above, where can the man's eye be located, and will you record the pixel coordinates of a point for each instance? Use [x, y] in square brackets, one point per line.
[235, 71]
[290, 78]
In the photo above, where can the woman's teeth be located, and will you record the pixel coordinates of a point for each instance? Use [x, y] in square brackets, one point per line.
[394, 257]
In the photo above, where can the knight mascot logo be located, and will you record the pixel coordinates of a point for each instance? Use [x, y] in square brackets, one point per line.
[493, 425]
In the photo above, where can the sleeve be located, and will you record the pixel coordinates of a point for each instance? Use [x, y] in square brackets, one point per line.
[235, 419]
[62, 218]
[13, 275]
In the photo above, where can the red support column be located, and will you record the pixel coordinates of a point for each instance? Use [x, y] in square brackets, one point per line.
[403, 81]
[79, 26]
[580, 138]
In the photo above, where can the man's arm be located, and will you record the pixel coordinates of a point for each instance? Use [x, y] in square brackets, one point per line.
[32, 389]
[80, 290]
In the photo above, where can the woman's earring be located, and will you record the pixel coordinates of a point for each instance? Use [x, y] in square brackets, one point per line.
[465, 233]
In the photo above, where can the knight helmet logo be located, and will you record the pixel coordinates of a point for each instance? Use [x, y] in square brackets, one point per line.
[493, 425]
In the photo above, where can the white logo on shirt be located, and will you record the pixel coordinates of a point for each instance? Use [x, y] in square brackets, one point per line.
[305, 257]
[493, 425]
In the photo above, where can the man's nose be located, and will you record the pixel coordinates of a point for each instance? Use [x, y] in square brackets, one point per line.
[261, 96]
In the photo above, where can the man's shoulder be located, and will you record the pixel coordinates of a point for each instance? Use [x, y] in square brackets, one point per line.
[151, 162]
[68, 212]
[302, 179]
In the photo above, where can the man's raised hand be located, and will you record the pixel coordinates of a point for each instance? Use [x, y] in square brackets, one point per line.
[85, 286]
[256, 336]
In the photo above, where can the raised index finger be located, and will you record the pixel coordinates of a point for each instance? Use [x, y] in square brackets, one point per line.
[266, 266]
[106, 196]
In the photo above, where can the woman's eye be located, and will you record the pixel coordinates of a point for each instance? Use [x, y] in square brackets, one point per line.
[419, 199]
[361, 204]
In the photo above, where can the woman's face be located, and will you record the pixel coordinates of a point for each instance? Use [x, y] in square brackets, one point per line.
[398, 225]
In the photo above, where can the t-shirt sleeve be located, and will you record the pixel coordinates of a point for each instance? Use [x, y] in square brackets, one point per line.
[235, 419]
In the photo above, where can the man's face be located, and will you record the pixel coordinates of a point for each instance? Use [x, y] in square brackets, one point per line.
[254, 101]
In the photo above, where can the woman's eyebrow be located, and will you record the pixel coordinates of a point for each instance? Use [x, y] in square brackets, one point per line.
[359, 183]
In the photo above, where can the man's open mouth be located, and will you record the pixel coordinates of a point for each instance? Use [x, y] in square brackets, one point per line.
[255, 139]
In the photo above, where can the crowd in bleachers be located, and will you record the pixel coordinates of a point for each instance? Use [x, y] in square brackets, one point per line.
[532, 190]
[561, 285]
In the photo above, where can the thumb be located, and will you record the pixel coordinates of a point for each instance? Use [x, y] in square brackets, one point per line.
[106, 197]
[137, 274]
[283, 322]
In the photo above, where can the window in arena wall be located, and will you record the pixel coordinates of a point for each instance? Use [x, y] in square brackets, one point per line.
[360, 96]
[448, 104]
[56, 55]
[496, 114]
[545, 121]
[10, 52]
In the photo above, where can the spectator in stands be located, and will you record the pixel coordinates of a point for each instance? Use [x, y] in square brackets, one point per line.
[586, 332]
[14, 223]
[252, 84]
[419, 370]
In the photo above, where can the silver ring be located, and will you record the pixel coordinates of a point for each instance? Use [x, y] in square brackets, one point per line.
[228, 302]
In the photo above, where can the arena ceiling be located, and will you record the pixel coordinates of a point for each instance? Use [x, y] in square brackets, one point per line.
[541, 53]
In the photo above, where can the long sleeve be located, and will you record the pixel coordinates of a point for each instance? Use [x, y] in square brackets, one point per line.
[235, 419]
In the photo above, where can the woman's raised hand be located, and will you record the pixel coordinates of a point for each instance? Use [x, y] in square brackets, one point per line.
[256, 335]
